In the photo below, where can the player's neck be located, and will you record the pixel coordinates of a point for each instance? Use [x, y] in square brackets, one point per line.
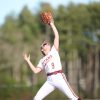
[47, 52]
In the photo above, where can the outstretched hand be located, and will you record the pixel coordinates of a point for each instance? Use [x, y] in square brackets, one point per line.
[26, 57]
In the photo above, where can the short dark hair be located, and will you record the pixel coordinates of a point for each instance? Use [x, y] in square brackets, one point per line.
[43, 53]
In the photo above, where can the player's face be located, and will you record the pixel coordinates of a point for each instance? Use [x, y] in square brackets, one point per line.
[45, 48]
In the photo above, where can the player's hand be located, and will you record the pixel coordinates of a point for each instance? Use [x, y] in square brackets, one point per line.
[52, 21]
[26, 57]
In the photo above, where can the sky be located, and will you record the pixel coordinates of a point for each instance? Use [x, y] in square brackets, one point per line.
[8, 7]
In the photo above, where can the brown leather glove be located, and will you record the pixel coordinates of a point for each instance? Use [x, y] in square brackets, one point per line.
[46, 17]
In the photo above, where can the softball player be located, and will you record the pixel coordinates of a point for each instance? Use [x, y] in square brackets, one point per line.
[53, 68]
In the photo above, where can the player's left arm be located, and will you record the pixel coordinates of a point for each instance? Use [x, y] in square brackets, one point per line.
[56, 35]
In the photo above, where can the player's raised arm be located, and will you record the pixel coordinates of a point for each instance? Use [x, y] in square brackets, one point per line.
[47, 18]
[56, 35]
[33, 68]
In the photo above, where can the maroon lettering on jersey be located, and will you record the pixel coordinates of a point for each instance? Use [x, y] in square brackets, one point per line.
[46, 60]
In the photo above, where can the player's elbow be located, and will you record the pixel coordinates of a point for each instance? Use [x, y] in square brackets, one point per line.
[37, 70]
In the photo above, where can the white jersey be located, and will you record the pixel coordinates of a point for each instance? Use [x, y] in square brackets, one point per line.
[50, 62]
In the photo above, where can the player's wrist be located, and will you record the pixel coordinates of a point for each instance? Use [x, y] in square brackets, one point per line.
[51, 24]
[28, 60]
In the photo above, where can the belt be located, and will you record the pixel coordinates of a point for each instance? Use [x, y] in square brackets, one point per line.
[54, 73]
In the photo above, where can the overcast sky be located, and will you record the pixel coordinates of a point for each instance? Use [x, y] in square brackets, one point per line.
[15, 6]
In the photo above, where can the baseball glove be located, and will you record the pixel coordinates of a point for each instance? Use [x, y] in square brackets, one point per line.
[46, 17]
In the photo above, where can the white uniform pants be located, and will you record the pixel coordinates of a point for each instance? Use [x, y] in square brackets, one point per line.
[55, 81]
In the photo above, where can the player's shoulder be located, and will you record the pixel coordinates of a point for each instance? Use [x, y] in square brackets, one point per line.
[44, 57]
[54, 49]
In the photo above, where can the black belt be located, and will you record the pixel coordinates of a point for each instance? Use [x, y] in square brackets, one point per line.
[54, 73]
